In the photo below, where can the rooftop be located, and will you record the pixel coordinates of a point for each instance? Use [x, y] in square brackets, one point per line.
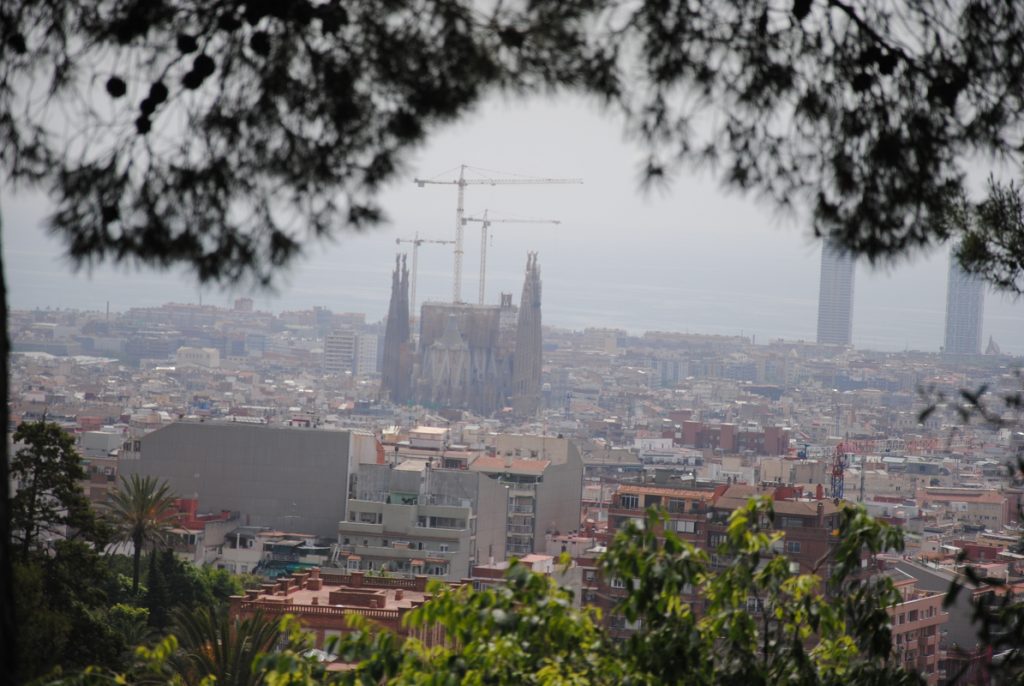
[637, 489]
[486, 463]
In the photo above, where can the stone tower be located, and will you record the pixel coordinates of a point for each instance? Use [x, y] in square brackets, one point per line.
[396, 369]
[526, 361]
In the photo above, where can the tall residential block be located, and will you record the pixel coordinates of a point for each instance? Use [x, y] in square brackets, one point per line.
[339, 351]
[835, 298]
[367, 354]
[965, 307]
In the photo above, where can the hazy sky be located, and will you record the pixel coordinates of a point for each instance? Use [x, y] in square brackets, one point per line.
[695, 258]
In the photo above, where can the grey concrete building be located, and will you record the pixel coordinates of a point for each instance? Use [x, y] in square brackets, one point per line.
[286, 478]
[418, 519]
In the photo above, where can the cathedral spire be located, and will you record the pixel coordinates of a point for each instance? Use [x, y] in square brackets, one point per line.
[395, 374]
[527, 361]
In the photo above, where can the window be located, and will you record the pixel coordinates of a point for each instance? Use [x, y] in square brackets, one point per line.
[686, 526]
[792, 546]
[629, 502]
[717, 540]
[443, 547]
[618, 583]
[384, 542]
[589, 575]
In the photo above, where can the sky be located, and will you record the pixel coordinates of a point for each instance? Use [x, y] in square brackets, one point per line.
[691, 257]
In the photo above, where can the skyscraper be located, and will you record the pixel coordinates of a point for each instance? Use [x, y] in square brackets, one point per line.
[835, 298]
[965, 307]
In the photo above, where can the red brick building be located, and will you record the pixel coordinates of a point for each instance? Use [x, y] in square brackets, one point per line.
[322, 601]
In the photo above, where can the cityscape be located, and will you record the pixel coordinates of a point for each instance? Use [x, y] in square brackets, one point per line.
[512, 343]
[347, 461]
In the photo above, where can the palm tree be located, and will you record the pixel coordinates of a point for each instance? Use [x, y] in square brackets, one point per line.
[142, 510]
[210, 644]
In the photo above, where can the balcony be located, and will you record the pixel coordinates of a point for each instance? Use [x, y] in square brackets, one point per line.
[378, 552]
[357, 528]
[521, 509]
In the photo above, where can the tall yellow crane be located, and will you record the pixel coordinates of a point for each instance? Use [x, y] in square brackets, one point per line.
[485, 223]
[416, 243]
[460, 211]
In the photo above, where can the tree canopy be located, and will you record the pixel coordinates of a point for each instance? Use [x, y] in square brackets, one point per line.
[694, 623]
[223, 134]
[49, 503]
[141, 510]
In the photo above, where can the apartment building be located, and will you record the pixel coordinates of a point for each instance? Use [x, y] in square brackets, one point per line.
[701, 518]
[917, 623]
[731, 438]
[542, 478]
[206, 358]
[340, 349]
[268, 552]
[417, 519]
[984, 508]
[100, 451]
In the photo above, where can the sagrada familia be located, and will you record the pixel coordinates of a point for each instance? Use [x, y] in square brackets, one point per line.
[481, 358]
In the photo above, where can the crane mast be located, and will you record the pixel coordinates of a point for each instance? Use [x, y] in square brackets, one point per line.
[460, 209]
[416, 243]
[485, 223]
[839, 465]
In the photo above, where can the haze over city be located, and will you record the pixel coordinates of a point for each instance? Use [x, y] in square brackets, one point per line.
[690, 257]
[682, 436]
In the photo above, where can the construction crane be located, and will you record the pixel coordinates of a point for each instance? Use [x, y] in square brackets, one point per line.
[416, 243]
[485, 223]
[839, 464]
[460, 211]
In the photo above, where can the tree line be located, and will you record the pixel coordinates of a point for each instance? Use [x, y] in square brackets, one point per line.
[78, 604]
